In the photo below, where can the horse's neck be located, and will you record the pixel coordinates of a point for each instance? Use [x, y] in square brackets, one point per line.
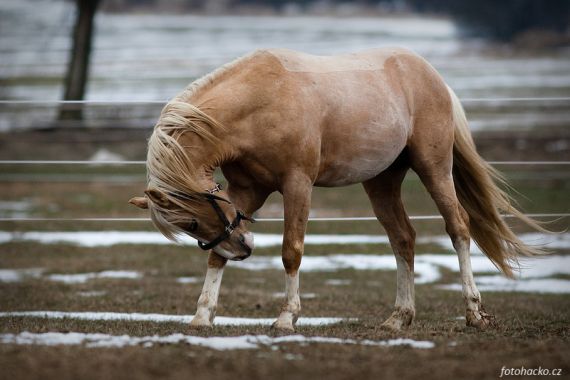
[205, 157]
[213, 101]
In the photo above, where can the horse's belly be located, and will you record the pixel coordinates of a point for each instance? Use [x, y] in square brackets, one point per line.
[357, 159]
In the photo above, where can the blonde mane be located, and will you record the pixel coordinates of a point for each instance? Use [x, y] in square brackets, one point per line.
[170, 167]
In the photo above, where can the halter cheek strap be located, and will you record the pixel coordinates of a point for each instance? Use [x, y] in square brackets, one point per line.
[229, 227]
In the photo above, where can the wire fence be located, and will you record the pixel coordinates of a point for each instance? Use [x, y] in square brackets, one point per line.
[144, 102]
[313, 219]
[119, 163]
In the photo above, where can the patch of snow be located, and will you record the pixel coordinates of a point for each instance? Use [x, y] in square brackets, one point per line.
[189, 280]
[93, 293]
[549, 241]
[426, 271]
[109, 238]
[217, 342]
[290, 356]
[424, 344]
[15, 209]
[502, 284]
[337, 282]
[80, 278]
[427, 266]
[103, 155]
[160, 318]
[302, 295]
[17, 275]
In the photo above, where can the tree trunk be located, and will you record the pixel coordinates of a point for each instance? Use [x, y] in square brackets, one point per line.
[78, 67]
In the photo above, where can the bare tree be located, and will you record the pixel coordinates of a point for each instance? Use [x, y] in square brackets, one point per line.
[78, 67]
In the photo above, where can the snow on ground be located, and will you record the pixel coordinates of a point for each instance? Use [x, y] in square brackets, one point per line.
[534, 274]
[189, 280]
[81, 278]
[15, 209]
[302, 295]
[17, 275]
[92, 293]
[103, 155]
[215, 342]
[502, 284]
[164, 318]
[109, 238]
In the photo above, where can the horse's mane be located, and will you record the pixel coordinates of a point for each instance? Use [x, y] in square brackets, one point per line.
[170, 167]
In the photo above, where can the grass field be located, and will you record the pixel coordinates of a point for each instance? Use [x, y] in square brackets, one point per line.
[533, 328]
[532, 332]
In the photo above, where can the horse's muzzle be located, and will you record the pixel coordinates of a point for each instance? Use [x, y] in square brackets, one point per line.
[247, 245]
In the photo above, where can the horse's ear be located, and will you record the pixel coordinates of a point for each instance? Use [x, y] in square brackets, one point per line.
[140, 202]
[157, 197]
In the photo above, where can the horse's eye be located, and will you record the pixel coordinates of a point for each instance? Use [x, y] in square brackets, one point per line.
[192, 226]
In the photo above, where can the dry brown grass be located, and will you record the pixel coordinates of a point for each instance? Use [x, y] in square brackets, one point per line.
[532, 328]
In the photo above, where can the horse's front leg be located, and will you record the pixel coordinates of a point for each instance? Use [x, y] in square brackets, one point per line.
[248, 199]
[208, 300]
[296, 202]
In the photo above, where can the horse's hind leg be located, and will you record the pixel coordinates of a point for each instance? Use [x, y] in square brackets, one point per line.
[384, 194]
[432, 159]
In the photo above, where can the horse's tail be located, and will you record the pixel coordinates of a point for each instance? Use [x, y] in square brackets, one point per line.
[477, 185]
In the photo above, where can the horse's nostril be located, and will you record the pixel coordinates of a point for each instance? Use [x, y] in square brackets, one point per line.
[242, 238]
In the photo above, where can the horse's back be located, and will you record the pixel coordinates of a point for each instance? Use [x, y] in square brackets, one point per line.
[356, 103]
[368, 60]
[353, 113]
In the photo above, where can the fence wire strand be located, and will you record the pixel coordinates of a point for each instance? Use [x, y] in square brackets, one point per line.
[119, 163]
[143, 102]
[314, 219]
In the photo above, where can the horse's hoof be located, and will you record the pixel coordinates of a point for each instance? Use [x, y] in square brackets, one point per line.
[480, 320]
[282, 327]
[392, 324]
[399, 320]
[201, 323]
[395, 324]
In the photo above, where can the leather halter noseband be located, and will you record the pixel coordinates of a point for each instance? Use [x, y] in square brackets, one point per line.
[229, 227]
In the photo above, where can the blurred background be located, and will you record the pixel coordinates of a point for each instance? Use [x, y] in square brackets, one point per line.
[148, 50]
[116, 63]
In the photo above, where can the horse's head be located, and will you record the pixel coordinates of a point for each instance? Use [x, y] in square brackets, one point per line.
[209, 217]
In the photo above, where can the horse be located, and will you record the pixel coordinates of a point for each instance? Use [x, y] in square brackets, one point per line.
[281, 120]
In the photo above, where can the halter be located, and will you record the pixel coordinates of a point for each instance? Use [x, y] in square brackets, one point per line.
[229, 227]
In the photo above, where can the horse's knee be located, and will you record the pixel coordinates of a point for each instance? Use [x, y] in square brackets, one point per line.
[458, 229]
[291, 263]
[403, 246]
[292, 254]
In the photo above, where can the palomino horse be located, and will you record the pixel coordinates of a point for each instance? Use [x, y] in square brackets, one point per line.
[279, 120]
